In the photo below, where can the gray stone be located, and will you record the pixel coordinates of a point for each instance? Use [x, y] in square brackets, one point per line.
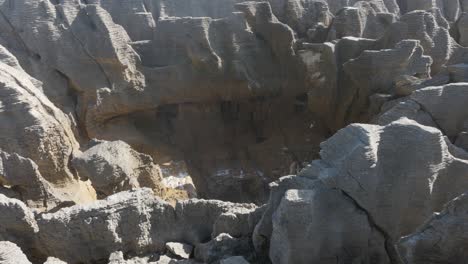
[307, 230]
[12, 254]
[221, 247]
[442, 239]
[180, 250]
[134, 221]
[234, 260]
[18, 224]
[114, 166]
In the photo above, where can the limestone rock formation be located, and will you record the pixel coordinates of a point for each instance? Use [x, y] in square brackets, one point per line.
[114, 167]
[360, 102]
[135, 221]
[305, 230]
[221, 247]
[18, 224]
[442, 239]
[23, 177]
[12, 254]
[358, 172]
[180, 250]
[33, 128]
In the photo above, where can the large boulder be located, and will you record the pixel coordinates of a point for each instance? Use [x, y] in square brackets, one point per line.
[396, 175]
[362, 161]
[442, 239]
[35, 129]
[12, 254]
[18, 224]
[23, 177]
[114, 167]
[442, 107]
[306, 230]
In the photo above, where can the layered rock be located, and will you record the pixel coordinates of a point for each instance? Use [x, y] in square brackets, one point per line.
[364, 169]
[12, 254]
[22, 176]
[442, 239]
[113, 167]
[134, 221]
[33, 128]
[18, 224]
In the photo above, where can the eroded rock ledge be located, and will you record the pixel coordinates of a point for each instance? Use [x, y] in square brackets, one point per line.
[106, 108]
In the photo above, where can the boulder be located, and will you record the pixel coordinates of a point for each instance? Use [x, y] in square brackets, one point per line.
[23, 177]
[431, 106]
[18, 224]
[442, 239]
[180, 250]
[133, 221]
[114, 167]
[12, 254]
[306, 230]
[33, 128]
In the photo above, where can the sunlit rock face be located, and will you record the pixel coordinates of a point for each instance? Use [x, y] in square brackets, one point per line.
[162, 131]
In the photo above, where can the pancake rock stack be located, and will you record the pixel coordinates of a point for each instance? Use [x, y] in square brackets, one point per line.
[233, 131]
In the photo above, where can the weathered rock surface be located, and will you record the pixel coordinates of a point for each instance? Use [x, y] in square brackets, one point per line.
[221, 247]
[114, 167]
[305, 230]
[361, 172]
[234, 260]
[18, 224]
[33, 128]
[442, 239]
[97, 95]
[12, 254]
[23, 177]
[180, 250]
[134, 221]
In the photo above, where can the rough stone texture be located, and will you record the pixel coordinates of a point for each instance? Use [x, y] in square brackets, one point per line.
[366, 169]
[52, 260]
[305, 230]
[134, 221]
[114, 166]
[221, 246]
[442, 239]
[430, 28]
[180, 250]
[23, 177]
[364, 20]
[234, 260]
[12, 254]
[33, 128]
[361, 170]
[431, 106]
[17, 224]
[242, 93]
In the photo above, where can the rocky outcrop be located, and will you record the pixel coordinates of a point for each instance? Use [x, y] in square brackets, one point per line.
[442, 239]
[102, 99]
[134, 221]
[113, 167]
[305, 229]
[22, 176]
[18, 224]
[12, 254]
[33, 128]
[361, 173]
